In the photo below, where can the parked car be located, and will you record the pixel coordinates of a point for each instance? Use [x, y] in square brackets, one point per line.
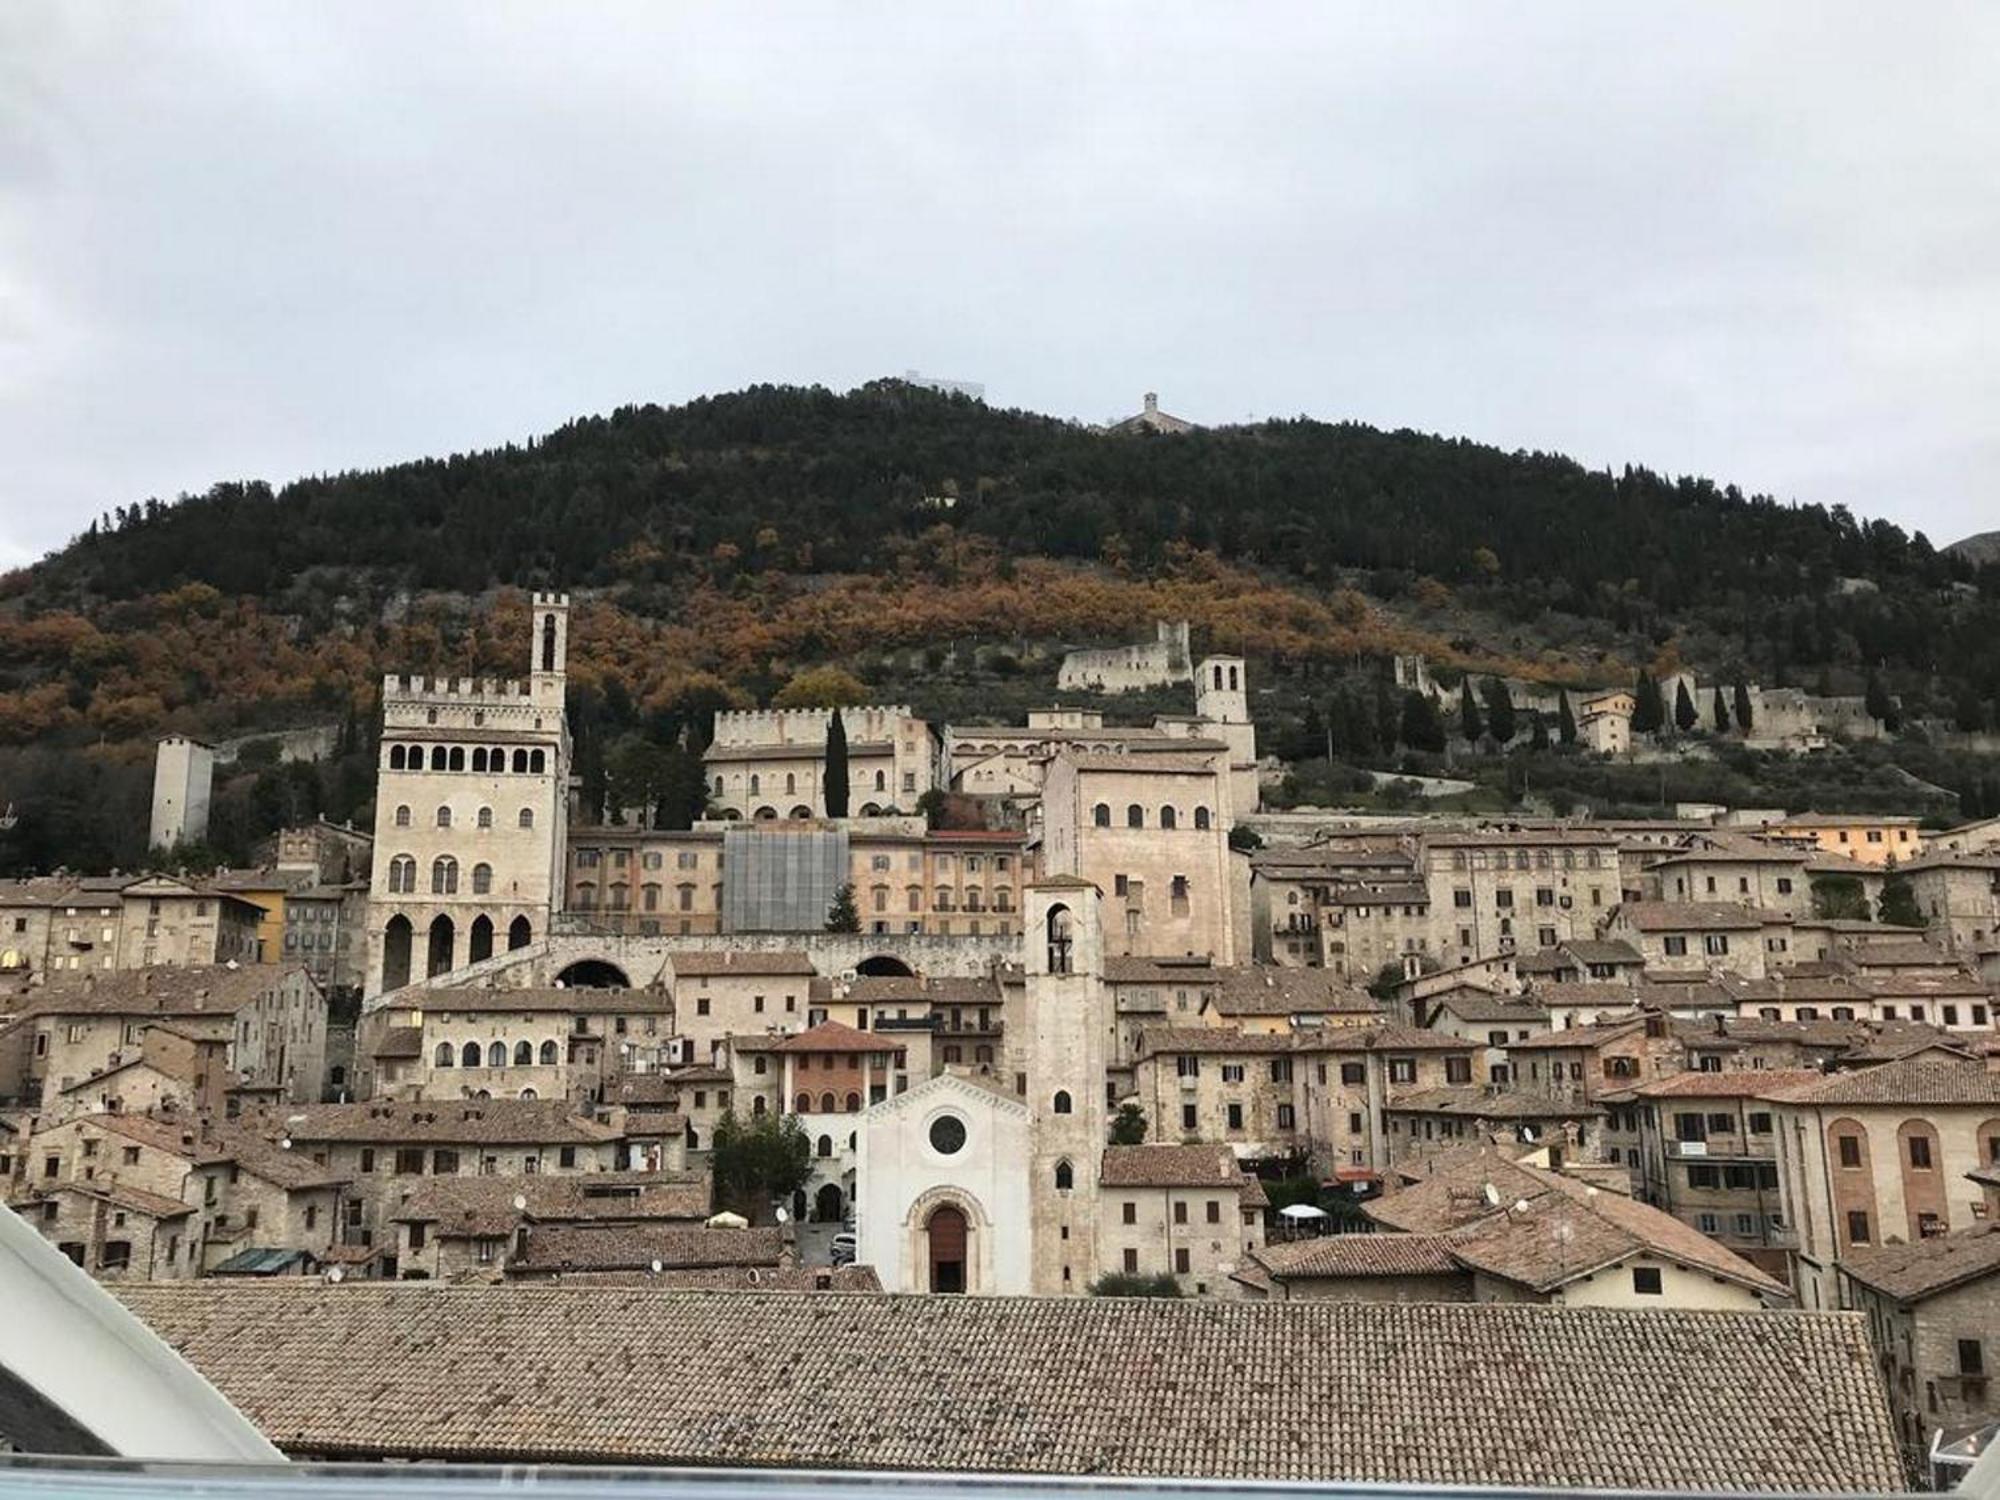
[844, 1248]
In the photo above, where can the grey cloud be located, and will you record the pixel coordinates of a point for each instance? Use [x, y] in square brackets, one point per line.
[1751, 241]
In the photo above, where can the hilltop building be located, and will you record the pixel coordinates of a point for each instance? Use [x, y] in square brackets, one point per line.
[1150, 418]
[183, 774]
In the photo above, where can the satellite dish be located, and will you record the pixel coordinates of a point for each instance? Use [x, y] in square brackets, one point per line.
[520, 1203]
[285, 1144]
[1492, 1195]
[783, 1216]
[657, 1267]
[335, 1275]
[1590, 1192]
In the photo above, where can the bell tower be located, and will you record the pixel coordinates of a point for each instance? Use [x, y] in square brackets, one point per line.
[548, 647]
[1065, 1005]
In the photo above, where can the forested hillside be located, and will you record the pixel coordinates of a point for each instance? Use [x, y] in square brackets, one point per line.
[717, 547]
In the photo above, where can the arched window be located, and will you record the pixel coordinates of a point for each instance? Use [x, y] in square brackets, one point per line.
[439, 757]
[457, 757]
[537, 762]
[519, 933]
[396, 757]
[548, 643]
[649, 896]
[1218, 676]
[527, 1093]
[1232, 679]
[757, 1105]
[496, 1055]
[443, 1057]
[754, 787]
[826, 1145]
[549, 1054]
[496, 760]
[1201, 817]
[444, 876]
[527, 819]
[826, 1103]
[1065, 1177]
[618, 896]
[1169, 818]
[881, 781]
[1135, 816]
[1062, 1102]
[1101, 815]
[520, 762]
[916, 897]
[444, 816]
[482, 880]
[470, 1055]
[402, 875]
[853, 1103]
[402, 817]
[803, 1104]
[1059, 940]
[879, 896]
[718, 786]
[485, 817]
[524, 1054]
[791, 784]
[586, 896]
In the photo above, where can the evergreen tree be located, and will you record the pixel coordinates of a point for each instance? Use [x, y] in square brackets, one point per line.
[1719, 711]
[1898, 903]
[1355, 725]
[843, 915]
[1538, 731]
[836, 766]
[1422, 729]
[1312, 734]
[1743, 719]
[1880, 705]
[1469, 722]
[1685, 717]
[1499, 710]
[1128, 1127]
[1649, 712]
[1565, 721]
[757, 1164]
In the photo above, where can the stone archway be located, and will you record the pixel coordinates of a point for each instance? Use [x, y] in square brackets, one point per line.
[829, 1204]
[443, 946]
[479, 945]
[593, 974]
[396, 943]
[879, 964]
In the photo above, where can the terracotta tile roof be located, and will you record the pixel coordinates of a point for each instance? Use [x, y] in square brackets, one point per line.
[1136, 970]
[1360, 1255]
[1473, 1102]
[1169, 1166]
[1910, 1273]
[401, 1041]
[1154, 1040]
[1166, 760]
[1391, 1038]
[849, 1278]
[882, 989]
[1926, 1079]
[118, 1195]
[1690, 916]
[700, 964]
[635, 1247]
[1611, 994]
[1267, 991]
[1582, 1038]
[215, 989]
[832, 1036]
[1739, 1083]
[1296, 1390]
[1602, 951]
[494, 1122]
[1471, 1005]
[484, 1206]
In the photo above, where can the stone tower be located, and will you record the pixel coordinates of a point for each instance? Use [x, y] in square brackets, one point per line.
[1222, 701]
[183, 772]
[471, 813]
[1064, 1002]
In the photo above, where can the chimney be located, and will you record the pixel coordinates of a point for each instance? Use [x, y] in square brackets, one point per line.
[1152, 401]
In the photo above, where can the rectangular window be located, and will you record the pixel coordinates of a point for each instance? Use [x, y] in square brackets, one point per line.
[1850, 1150]
[1130, 1211]
[1646, 1281]
[1715, 944]
[1402, 1070]
[410, 1161]
[1187, 1117]
[1857, 1226]
[1232, 1072]
[1675, 944]
[1286, 1118]
[1458, 1070]
[1353, 1072]
[1131, 1262]
[1920, 1152]
[1971, 1357]
[1180, 1213]
[1181, 1261]
[1235, 1117]
[1214, 1211]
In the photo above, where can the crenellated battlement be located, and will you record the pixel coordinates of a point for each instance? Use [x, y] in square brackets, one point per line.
[805, 726]
[550, 601]
[406, 688]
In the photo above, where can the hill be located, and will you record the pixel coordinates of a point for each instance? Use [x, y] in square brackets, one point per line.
[1978, 550]
[718, 546]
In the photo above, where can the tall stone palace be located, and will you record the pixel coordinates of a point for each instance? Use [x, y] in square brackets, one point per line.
[470, 813]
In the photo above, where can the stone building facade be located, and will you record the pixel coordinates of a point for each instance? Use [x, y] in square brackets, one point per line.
[471, 813]
[771, 763]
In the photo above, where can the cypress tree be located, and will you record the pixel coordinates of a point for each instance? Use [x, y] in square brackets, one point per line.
[1898, 903]
[1565, 720]
[1720, 710]
[1422, 729]
[1880, 705]
[1742, 706]
[1685, 718]
[843, 915]
[1499, 710]
[836, 766]
[1468, 713]
[1538, 733]
[1649, 711]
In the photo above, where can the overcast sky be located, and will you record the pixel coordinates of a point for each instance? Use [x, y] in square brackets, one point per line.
[1756, 241]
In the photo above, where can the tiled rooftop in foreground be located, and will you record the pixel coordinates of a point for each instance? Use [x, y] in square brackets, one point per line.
[1526, 1395]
